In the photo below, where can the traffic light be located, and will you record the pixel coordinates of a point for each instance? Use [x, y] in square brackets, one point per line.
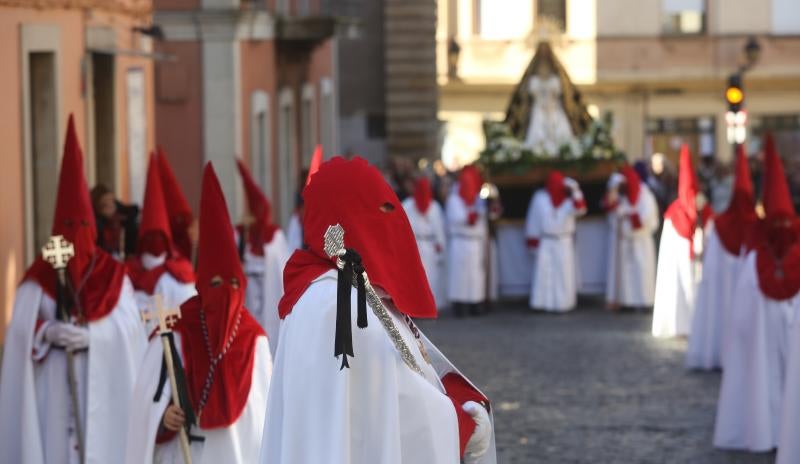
[734, 94]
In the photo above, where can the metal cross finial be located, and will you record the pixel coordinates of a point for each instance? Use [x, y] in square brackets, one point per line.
[334, 241]
[58, 251]
[166, 317]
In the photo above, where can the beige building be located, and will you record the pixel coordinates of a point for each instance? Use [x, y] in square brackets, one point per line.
[659, 66]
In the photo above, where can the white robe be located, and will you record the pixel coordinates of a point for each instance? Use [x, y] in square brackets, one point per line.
[173, 293]
[675, 285]
[238, 443]
[265, 285]
[788, 444]
[713, 306]
[554, 282]
[377, 412]
[749, 407]
[636, 251]
[36, 419]
[466, 266]
[294, 233]
[429, 232]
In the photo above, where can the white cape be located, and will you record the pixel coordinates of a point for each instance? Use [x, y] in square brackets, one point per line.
[377, 412]
[713, 305]
[788, 444]
[636, 251]
[749, 407]
[265, 285]
[173, 294]
[430, 234]
[467, 251]
[237, 444]
[555, 279]
[675, 285]
[34, 397]
[294, 232]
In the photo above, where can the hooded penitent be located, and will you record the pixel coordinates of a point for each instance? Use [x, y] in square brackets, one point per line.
[555, 188]
[778, 239]
[469, 184]
[316, 162]
[94, 278]
[354, 195]
[178, 210]
[683, 211]
[734, 223]
[261, 229]
[155, 238]
[423, 194]
[218, 335]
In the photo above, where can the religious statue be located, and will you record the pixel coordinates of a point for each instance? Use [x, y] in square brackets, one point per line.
[546, 111]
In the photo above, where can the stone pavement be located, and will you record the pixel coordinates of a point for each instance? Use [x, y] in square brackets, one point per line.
[586, 387]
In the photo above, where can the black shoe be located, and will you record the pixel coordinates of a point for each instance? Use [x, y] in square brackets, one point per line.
[475, 309]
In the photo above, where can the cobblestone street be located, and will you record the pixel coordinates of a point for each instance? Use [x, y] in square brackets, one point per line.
[586, 387]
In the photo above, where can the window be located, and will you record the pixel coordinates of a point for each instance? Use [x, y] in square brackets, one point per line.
[327, 116]
[286, 148]
[260, 140]
[553, 12]
[308, 127]
[683, 16]
[282, 7]
[502, 19]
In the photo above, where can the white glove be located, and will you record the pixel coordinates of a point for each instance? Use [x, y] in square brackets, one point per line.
[481, 438]
[571, 183]
[70, 336]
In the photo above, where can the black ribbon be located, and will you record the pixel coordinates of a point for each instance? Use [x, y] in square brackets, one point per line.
[353, 267]
[183, 391]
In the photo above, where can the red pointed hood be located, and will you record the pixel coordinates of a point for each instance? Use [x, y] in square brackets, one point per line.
[215, 323]
[733, 225]
[74, 217]
[633, 183]
[316, 162]
[777, 200]
[555, 188]
[261, 230]
[155, 236]
[682, 213]
[778, 242]
[423, 194]
[217, 252]
[355, 195]
[95, 277]
[178, 209]
[469, 184]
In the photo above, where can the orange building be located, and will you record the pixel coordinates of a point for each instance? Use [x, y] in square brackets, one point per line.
[91, 58]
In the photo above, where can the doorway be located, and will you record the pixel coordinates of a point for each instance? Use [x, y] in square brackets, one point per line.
[44, 142]
[104, 124]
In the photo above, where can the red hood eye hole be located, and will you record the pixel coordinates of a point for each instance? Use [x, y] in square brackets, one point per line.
[387, 207]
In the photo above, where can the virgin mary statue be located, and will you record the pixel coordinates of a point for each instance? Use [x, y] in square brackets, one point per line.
[545, 111]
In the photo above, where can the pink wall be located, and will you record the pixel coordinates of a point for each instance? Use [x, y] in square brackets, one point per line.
[258, 73]
[179, 115]
[71, 24]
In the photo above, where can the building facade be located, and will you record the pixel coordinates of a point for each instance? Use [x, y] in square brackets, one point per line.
[94, 60]
[249, 79]
[659, 66]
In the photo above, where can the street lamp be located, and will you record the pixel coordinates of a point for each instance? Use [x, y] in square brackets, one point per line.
[736, 117]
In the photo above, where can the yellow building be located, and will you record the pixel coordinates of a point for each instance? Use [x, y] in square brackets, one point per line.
[659, 66]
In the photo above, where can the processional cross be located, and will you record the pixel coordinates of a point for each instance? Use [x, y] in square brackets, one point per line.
[166, 318]
[57, 252]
